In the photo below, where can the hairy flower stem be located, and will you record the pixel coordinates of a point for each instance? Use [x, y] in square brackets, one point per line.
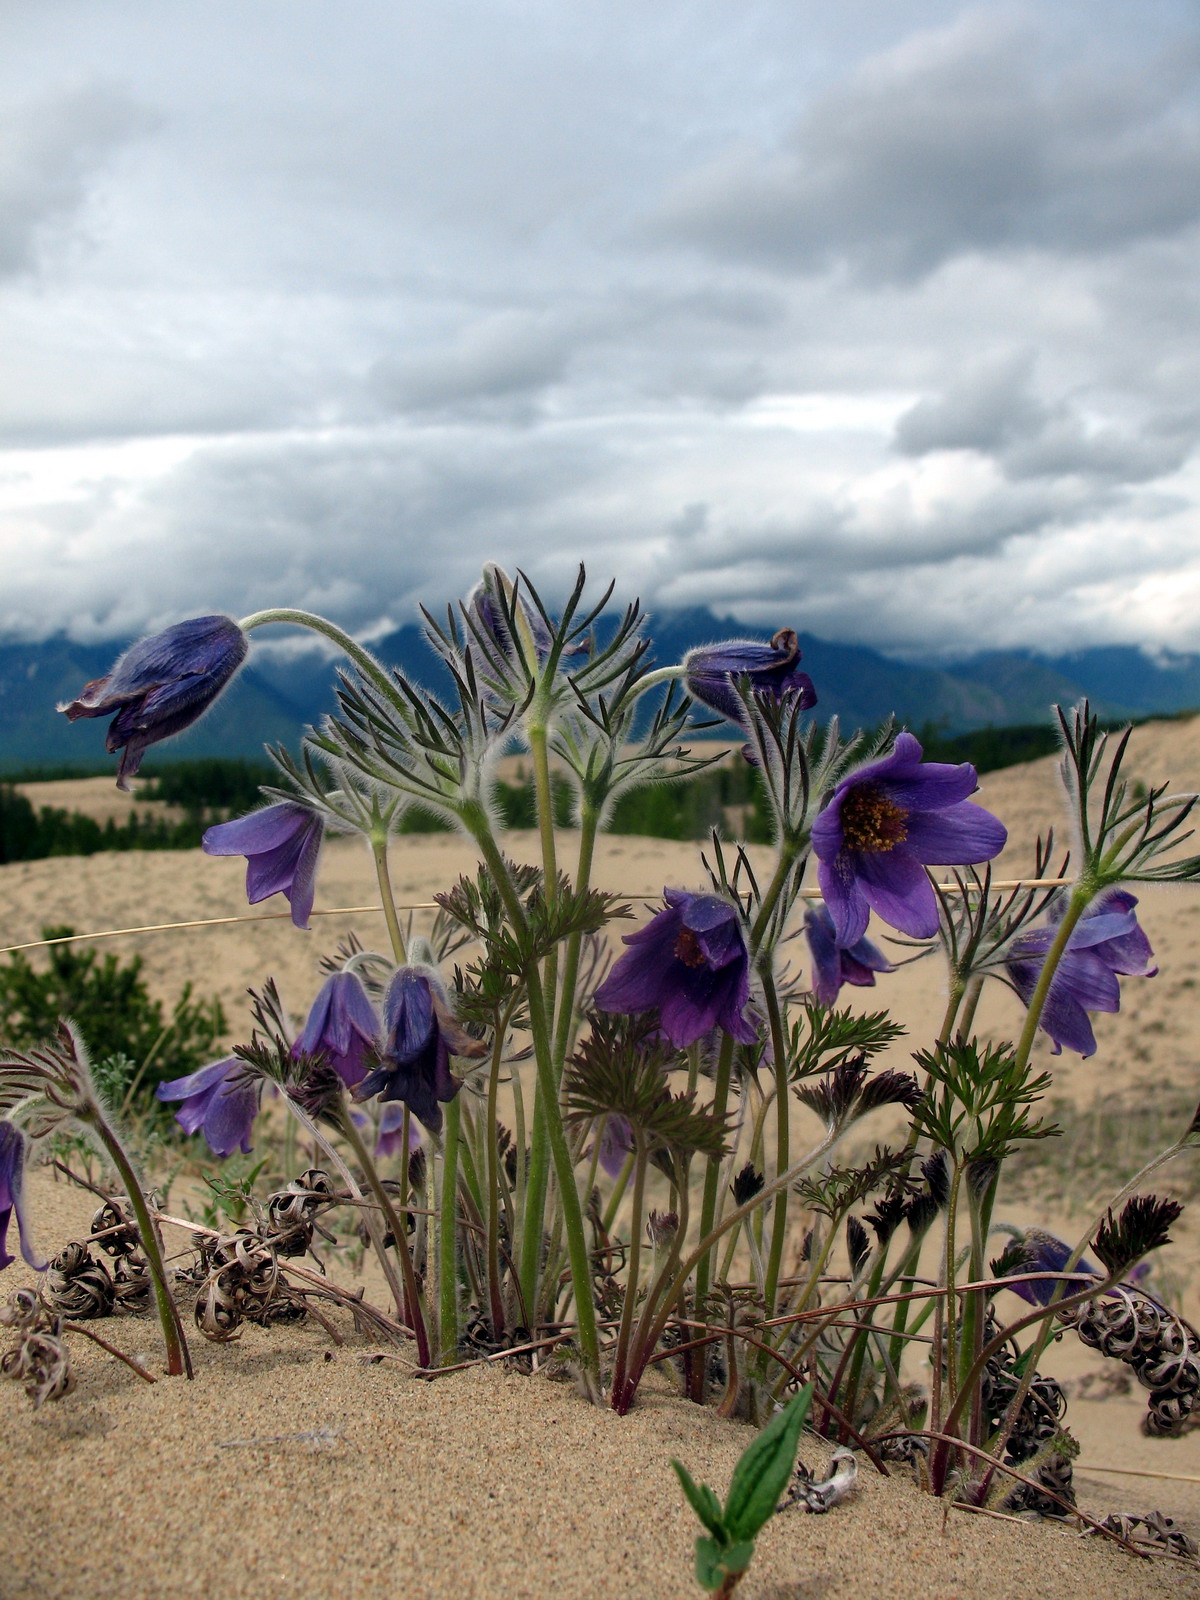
[362, 659]
[492, 1168]
[712, 1178]
[662, 1297]
[948, 1356]
[782, 1133]
[621, 1361]
[588, 824]
[379, 853]
[414, 1315]
[1082, 896]
[374, 1231]
[589, 1341]
[179, 1359]
[448, 1238]
[789, 850]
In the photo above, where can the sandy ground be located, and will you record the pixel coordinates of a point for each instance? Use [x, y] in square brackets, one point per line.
[490, 1483]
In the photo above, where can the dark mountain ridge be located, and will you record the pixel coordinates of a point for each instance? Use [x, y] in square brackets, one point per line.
[280, 692]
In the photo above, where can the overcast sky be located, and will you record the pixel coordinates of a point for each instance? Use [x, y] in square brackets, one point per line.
[876, 318]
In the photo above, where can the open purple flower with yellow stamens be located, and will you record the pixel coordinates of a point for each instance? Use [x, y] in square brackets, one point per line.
[773, 668]
[421, 1036]
[884, 825]
[1107, 941]
[221, 1101]
[831, 965]
[690, 962]
[161, 685]
[342, 1026]
[13, 1148]
[281, 844]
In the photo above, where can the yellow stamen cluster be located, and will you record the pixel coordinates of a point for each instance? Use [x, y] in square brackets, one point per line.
[870, 821]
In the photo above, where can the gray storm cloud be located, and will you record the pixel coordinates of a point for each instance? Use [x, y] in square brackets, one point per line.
[869, 316]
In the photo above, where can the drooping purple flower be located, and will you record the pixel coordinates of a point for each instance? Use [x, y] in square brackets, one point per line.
[1107, 941]
[341, 1026]
[161, 685]
[421, 1036]
[13, 1148]
[1043, 1252]
[831, 965]
[690, 962]
[220, 1101]
[281, 844]
[884, 825]
[773, 668]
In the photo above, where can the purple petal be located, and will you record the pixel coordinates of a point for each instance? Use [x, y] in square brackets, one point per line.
[258, 831]
[898, 890]
[844, 896]
[196, 1082]
[961, 835]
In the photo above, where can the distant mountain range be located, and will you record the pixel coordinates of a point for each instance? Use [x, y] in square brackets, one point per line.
[277, 695]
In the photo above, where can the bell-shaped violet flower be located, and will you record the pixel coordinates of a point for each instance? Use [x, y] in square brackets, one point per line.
[690, 962]
[13, 1148]
[421, 1036]
[773, 668]
[831, 965]
[1107, 941]
[883, 826]
[161, 685]
[281, 844]
[220, 1101]
[342, 1027]
[1043, 1252]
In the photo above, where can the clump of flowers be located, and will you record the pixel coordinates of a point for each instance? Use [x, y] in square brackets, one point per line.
[643, 1163]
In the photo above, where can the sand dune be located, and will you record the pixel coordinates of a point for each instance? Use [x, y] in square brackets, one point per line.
[490, 1483]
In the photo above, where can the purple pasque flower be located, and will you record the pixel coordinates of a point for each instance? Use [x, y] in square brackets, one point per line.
[883, 826]
[220, 1101]
[161, 685]
[1107, 941]
[773, 668]
[13, 1148]
[831, 965]
[690, 962]
[421, 1036]
[342, 1026]
[1044, 1252]
[281, 844]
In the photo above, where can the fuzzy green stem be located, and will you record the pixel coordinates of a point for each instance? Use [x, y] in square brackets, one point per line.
[179, 1359]
[782, 1135]
[588, 823]
[374, 1232]
[448, 1238]
[1081, 897]
[621, 1362]
[379, 853]
[396, 1227]
[712, 1177]
[362, 659]
[577, 1250]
